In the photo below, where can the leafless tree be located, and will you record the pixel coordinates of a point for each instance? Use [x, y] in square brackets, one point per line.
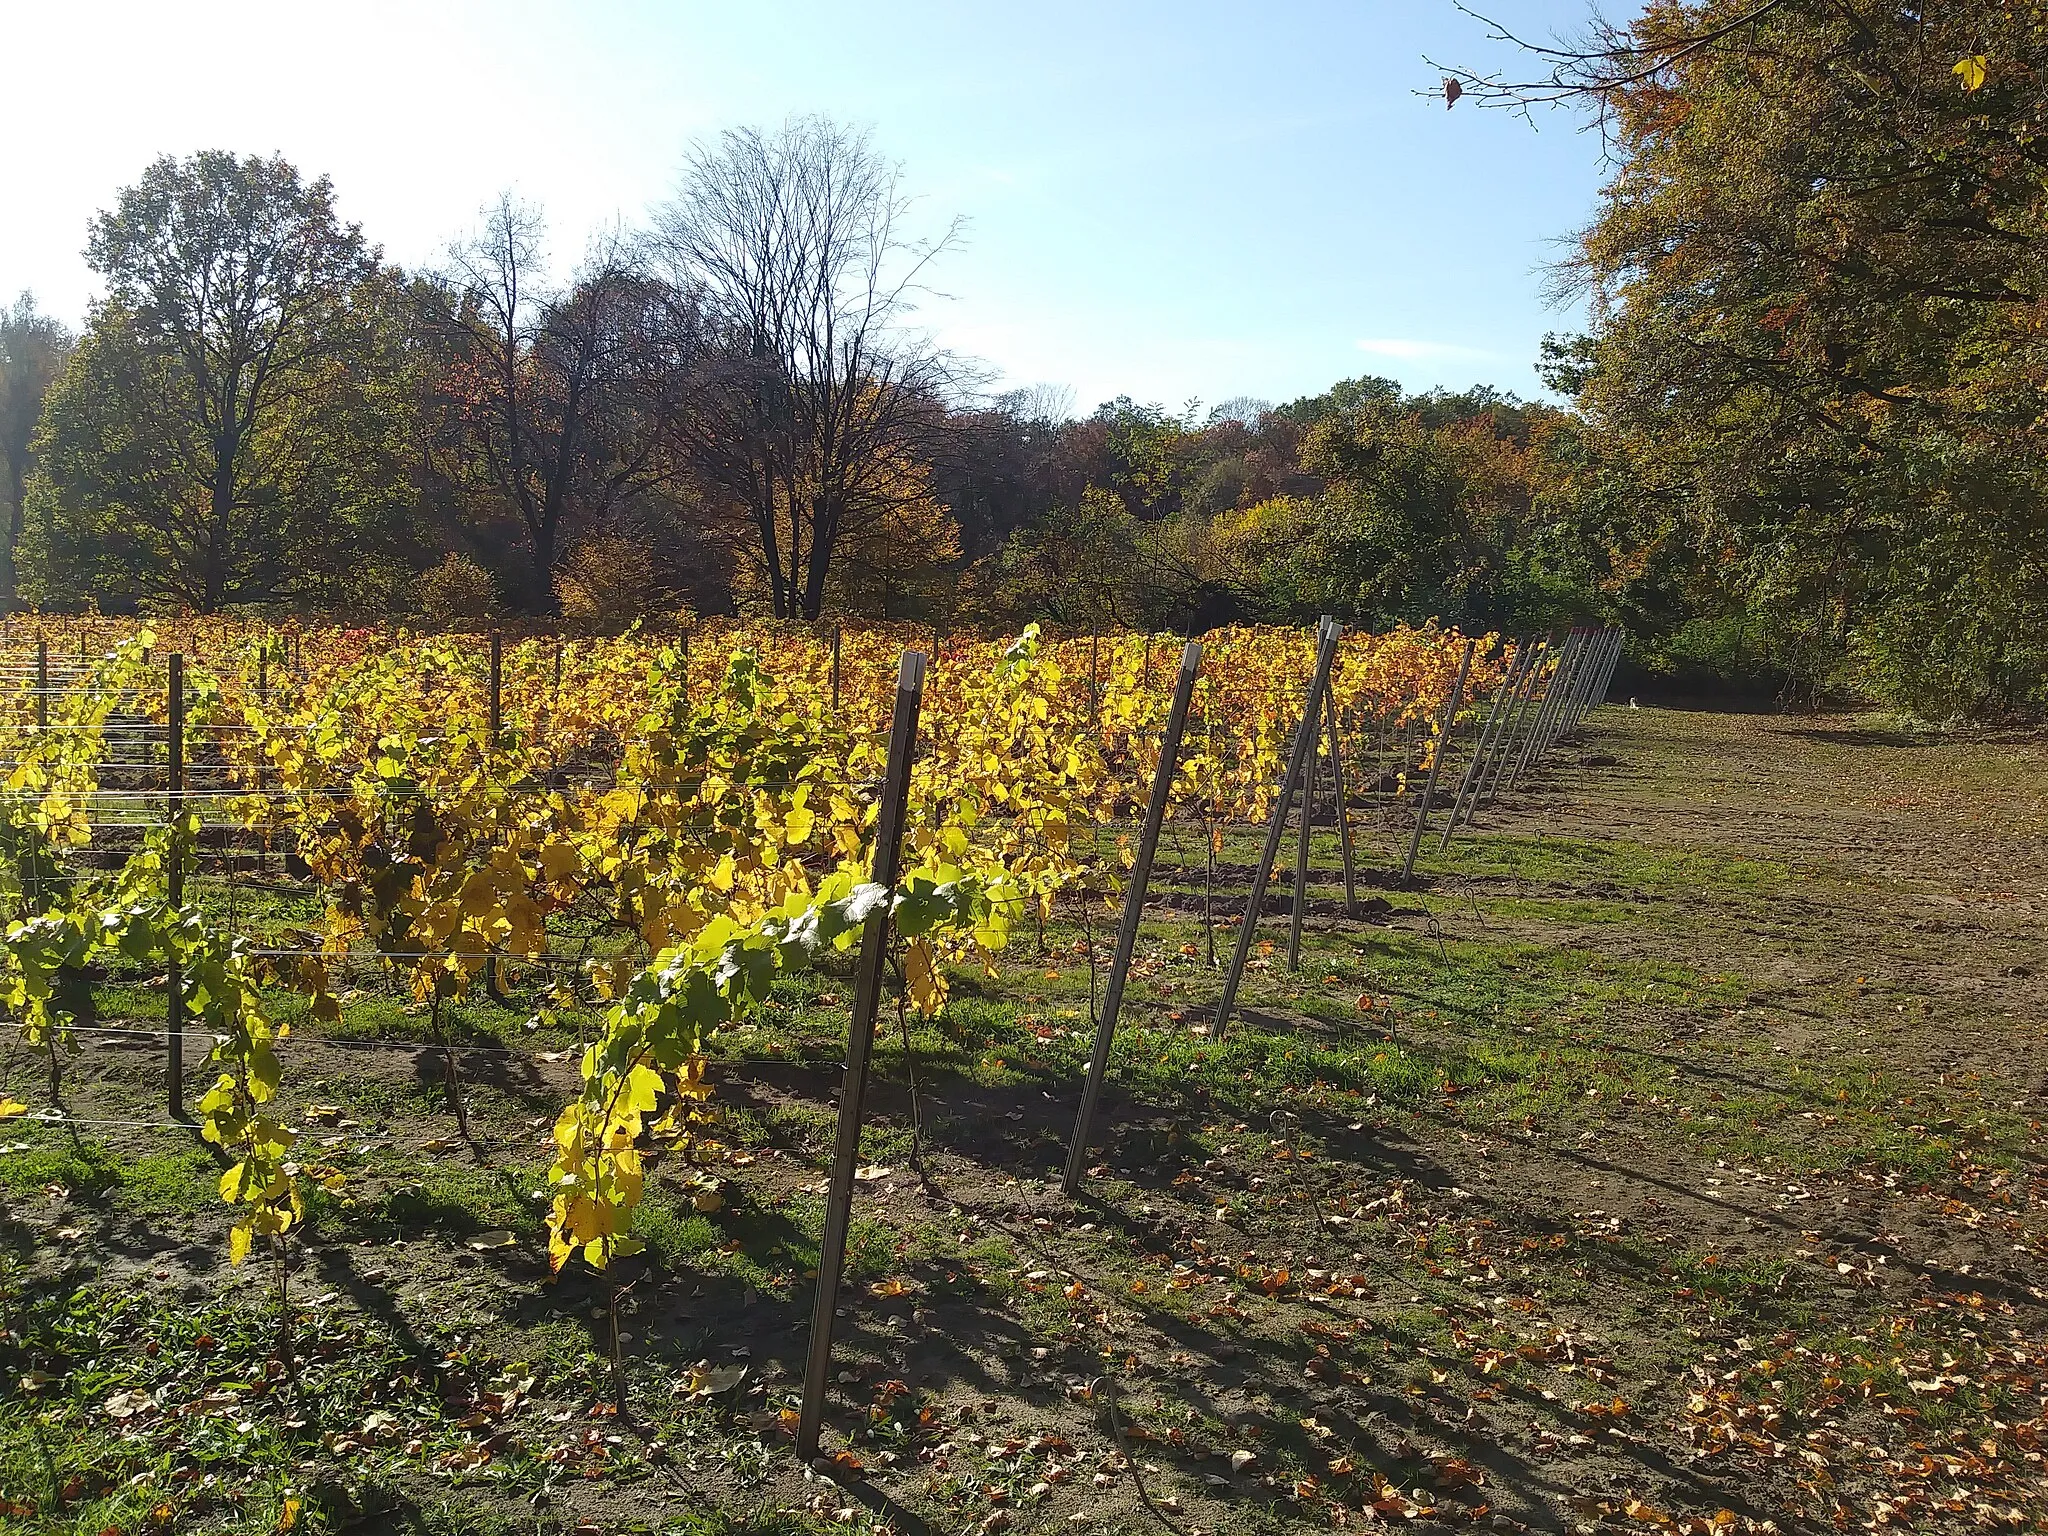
[815, 404]
[551, 391]
[1587, 71]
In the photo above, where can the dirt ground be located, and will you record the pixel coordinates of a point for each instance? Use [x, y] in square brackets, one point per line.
[1667, 1158]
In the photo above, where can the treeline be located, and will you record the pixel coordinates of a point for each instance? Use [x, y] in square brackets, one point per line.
[1803, 444]
[730, 409]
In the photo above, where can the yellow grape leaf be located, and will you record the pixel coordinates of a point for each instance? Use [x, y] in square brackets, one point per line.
[1973, 71]
[494, 1239]
[9, 1108]
[643, 1088]
[927, 990]
[238, 1242]
[706, 1381]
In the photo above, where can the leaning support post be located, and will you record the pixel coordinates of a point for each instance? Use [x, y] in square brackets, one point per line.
[1607, 672]
[1553, 687]
[1509, 679]
[867, 997]
[1304, 740]
[1603, 674]
[174, 971]
[1582, 696]
[1568, 695]
[1561, 717]
[1343, 815]
[835, 667]
[42, 683]
[1444, 726]
[1134, 908]
[1511, 728]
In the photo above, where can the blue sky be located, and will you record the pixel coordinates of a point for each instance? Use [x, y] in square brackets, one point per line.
[1171, 201]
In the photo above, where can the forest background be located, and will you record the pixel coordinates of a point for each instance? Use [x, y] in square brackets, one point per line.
[1798, 448]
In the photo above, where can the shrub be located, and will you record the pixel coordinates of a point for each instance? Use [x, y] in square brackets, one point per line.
[457, 588]
[605, 580]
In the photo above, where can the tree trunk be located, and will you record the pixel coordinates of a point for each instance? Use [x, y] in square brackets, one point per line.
[17, 513]
[221, 510]
[824, 535]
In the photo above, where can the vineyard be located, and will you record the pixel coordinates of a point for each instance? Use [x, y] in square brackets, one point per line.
[438, 1090]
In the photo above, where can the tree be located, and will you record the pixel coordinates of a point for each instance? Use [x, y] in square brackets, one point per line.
[551, 400]
[812, 394]
[1816, 277]
[33, 351]
[221, 436]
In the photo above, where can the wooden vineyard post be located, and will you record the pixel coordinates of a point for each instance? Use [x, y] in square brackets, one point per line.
[1436, 759]
[174, 971]
[1489, 783]
[1305, 784]
[1343, 814]
[1134, 909]
[1094, 686]
[497, 689]
[1484, 745]
[42, 683]
[1594, 694]
[1607, 673]
[874, 952]
[1553, 694]
[1582, 677]
[1304, 739]
[835, 667]
[1566, 688]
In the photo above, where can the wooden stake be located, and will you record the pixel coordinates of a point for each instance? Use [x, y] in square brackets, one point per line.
[1306, 782]
[1489, 784]
[1484, 745]
[42, 683]
[1094, 686]
[835, 667]
[1134, 908]
[1444, 725]
[874, 952]
[174, 972]
[1554, 690]
[1343, 812]
[1304, 738]
[497, 689]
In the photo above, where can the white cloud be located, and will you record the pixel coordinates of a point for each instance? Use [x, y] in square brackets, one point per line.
[1424, 351]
